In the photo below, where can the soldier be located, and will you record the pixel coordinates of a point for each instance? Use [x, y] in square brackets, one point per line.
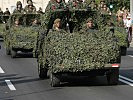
[19, 8]
[55, 4]
[7, 12]
[17, 22]
[105, 10]
[1, 12]
[76, 4]
[102, 2]
[35, 23]
[30, 8]
[57, 24]
[40, 11]
[92, 4]
[88, 26]
[89, 23]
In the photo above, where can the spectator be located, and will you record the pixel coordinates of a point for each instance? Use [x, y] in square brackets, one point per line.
[7, 12]
[129, 28]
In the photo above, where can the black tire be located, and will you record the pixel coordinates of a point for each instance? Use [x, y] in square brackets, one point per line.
[13, 53]
[55, 80]
[113, 77]
[42, 71]
[8, 51]
[123, 51]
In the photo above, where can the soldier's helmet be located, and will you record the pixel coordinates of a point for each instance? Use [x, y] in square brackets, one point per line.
[57, 20]
[19, 3]
[88, 20]
[29, 1]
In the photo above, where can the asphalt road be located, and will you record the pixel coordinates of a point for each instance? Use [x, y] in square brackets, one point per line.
[19, 81]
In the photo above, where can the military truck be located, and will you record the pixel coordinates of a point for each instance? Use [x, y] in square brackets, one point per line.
[78, 53]
[3, 21]
[21, 37]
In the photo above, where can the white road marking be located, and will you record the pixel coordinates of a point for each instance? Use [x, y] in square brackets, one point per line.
[125, 78]
[10, 85]
[126, 82]
[1, 70]
[130, 56]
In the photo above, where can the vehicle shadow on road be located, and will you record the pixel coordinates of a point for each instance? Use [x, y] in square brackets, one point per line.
[25, 55]
[85, 82]
[69, 82]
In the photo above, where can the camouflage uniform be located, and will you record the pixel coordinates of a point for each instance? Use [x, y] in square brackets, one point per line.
[1, 12]
[7, 12]
[19, 8]
[54, 5]
[40, 11]
[85, 28]
[18, 11]
[27, 8]
[76, 4]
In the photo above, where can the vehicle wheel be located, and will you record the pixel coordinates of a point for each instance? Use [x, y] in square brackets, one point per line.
[42, 72]
[8, 51]
[13, 53]
[113, 77]
[55, 81]
[123, 51]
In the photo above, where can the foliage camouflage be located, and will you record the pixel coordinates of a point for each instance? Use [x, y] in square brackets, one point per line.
[51, 13]
[77, 18]
[76, 5]
[49, 17]
[72, 17]
[2, 29]
[122, 36]
[23, 36]
[21, 39]
[80, 51]
[53, 5]
[117, 4]
[3, 21]
[120, 32]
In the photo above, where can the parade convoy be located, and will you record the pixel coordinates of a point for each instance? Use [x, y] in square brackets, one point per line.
[72, 51]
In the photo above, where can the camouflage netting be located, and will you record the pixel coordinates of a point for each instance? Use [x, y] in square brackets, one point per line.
[49, 17]
[120, 33]
[80, 51]
[77, 18]
[24, 37]
[3, 20]
[122, 36]
[2, 29]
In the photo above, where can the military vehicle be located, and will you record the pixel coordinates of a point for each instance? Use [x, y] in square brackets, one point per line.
[3, 21]
[78, 53]
[21, 37]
